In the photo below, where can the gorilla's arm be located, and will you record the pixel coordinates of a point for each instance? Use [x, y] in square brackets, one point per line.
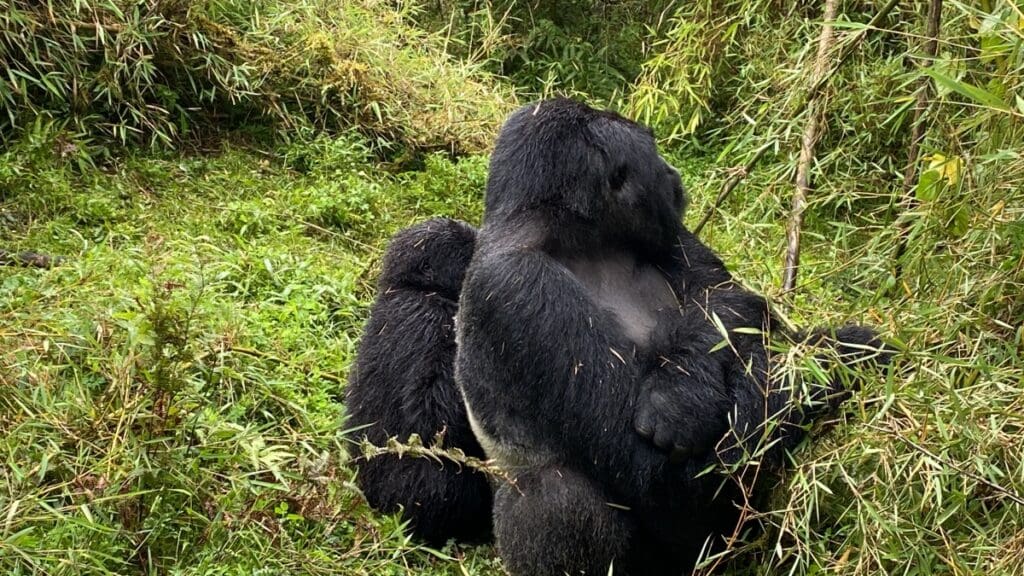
[710, 378]
[720, 349]
[540, 364]
[846, 355]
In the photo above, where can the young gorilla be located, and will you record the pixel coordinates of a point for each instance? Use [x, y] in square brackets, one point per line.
[589, 356]
[402, 383]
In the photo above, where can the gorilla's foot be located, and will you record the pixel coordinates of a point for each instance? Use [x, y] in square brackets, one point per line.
[553, 521]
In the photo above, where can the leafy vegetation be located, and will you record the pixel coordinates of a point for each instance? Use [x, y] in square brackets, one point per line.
[154, 71]
[590, 49]
[221, 177]
[171, 396]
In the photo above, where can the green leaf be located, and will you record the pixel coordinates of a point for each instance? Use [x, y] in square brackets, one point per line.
[960, 222]
[969, 90]
[994, 47]
[928, 186]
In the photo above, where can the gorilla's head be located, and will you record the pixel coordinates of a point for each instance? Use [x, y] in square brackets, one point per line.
[431, 256]
[590, 175]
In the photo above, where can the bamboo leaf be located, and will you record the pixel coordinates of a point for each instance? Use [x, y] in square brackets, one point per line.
[927, 186]
[971, 91]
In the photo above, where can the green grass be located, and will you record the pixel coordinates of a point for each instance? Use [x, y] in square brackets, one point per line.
[924, 473]
[170, 396]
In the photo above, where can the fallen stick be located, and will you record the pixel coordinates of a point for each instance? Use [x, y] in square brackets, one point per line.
[29, 259]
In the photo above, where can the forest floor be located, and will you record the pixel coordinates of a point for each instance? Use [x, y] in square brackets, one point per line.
[171, 392]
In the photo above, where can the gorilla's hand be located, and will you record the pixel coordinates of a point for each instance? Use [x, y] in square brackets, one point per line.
[683, 405]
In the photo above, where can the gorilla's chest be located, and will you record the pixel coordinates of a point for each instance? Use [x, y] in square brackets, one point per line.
[635, 294]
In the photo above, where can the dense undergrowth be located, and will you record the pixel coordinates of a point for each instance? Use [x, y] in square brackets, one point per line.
[171, 395]
[221, 177]
[159, 71]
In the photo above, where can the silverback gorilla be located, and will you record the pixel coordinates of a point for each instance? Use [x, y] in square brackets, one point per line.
[591, 359]
[402, 384]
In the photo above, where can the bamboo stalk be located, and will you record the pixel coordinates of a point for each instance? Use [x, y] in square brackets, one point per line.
[847, 50]
[931, 47]
[815, 112]
[844, 54]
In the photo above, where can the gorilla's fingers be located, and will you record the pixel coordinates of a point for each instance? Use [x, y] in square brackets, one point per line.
[663, 438]
[853, 344]
[644, 421]
[680, 452]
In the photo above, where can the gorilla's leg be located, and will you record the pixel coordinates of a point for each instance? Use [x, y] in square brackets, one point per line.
[553, 521]
[441, 500]
[402, 383]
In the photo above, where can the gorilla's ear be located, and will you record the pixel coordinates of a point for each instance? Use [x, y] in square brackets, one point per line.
[618, 177]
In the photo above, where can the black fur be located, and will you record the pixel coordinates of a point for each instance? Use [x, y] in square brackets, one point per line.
[402, 383]
[589, 354]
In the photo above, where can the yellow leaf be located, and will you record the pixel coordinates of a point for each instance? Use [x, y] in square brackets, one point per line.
[952, 170]
[948, 168]
[997, 208]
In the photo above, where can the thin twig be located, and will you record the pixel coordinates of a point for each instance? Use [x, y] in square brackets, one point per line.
[847, 50]
[815, 113]
[738, 176]
[415, 447]
[1010, 494]
[773, 138]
